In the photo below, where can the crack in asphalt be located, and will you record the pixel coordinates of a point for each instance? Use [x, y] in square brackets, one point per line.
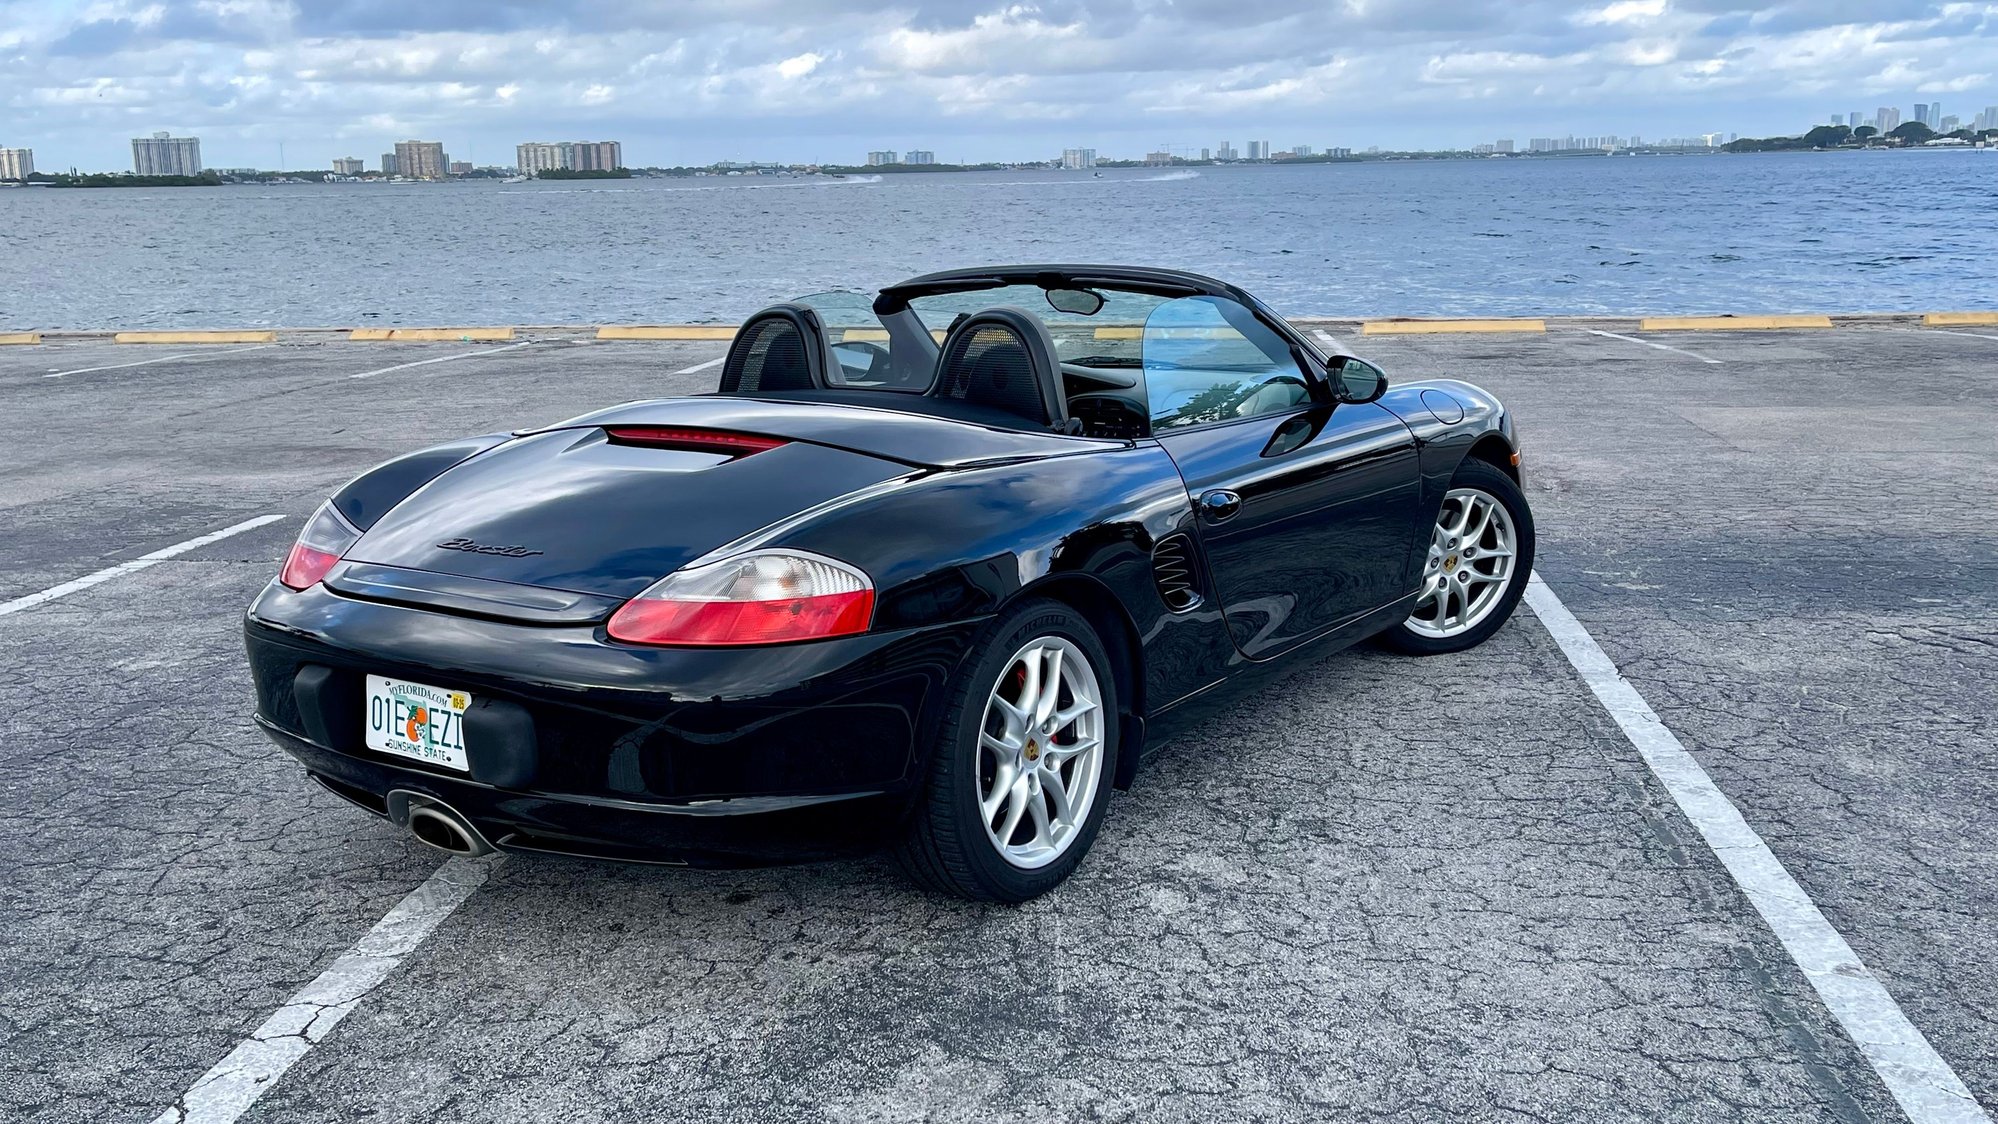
[226, 1091]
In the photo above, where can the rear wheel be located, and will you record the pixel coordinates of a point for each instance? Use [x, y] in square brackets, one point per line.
[1020, 775]
[1475, 570]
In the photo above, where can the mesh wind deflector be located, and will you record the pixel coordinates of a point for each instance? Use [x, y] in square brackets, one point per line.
[1003, 359]
[778, 349]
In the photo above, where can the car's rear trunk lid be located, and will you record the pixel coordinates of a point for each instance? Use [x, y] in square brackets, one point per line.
[581, 510]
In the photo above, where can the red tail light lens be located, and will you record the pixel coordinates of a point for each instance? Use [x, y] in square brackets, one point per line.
[765, 597]
[696, 440]
[326, 537]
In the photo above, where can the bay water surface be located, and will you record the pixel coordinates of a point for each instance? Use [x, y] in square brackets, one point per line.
[1801, 232]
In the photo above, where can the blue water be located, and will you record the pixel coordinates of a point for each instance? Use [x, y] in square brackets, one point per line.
[1835, 232]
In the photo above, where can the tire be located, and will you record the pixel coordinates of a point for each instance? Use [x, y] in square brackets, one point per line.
[951, 846]
[1461, 559]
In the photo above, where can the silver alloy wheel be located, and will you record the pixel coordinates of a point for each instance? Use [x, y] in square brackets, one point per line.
[1469, 565]
[1040, 752]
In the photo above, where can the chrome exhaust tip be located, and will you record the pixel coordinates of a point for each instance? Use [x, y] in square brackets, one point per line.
[437, 824]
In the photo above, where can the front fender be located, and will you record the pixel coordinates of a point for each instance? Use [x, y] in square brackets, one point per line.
[1449, 417]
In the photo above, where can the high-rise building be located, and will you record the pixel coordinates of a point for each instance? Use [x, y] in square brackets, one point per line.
[16, 163]
[534, 156]
[1922, 112]
[1259, 150]
[885, 156]
[919, 156]
[1225, 152]
[1206, 154]
[1886, 118]
[1852, 119]
[1506, 145]
[1989, 118]
[1302, 150]
[389, 167]
[1078, 158]
[348, 166]
[1934, 119]
[461, 167]
[421, 160]
[165, 155]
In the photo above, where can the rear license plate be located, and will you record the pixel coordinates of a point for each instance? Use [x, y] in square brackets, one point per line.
[416, 720]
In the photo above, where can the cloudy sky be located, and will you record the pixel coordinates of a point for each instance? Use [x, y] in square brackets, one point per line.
[693, 81]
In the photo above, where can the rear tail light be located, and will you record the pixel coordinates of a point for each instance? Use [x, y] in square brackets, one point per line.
[697, 440]
[327, 536]
[764, 597]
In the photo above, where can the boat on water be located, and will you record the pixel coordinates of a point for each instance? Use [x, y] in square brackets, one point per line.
[514, 179]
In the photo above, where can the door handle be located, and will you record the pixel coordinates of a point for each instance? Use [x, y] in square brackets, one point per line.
[1220, 505]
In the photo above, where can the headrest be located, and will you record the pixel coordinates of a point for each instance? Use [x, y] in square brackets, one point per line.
[1004, 358]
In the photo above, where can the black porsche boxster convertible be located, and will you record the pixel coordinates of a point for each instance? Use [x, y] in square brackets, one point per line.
[933, 570]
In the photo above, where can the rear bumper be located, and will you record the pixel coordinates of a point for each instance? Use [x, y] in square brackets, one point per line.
[581, 745]
[750, 832]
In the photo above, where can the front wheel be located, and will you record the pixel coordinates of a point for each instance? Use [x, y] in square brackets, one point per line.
[1475, 570]
[1020, 774]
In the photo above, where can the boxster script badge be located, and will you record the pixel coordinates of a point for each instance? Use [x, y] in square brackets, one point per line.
[476, 548]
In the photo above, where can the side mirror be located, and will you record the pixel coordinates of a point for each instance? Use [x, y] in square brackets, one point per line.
[1356, 380]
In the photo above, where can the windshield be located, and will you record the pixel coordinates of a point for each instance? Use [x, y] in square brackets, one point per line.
[1110, 337]
[843, 312]
[1140, 364]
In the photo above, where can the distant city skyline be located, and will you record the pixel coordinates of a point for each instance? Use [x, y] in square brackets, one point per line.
[1004, 80]
[1885, 118]
[165, 154]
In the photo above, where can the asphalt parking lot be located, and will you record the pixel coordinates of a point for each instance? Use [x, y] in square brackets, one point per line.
[1395, 889]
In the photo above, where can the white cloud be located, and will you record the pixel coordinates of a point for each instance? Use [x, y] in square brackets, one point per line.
[797, 66]
[1008, 34]
[1624, 11]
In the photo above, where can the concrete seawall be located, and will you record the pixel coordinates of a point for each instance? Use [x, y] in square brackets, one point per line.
[1365, 326]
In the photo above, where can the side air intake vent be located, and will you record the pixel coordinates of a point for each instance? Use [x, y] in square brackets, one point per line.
[1172, 569]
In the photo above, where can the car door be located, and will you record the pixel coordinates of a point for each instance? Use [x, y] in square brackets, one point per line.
[1303, 506]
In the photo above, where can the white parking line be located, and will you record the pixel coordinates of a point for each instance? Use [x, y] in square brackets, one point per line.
[1924, 1085]
[1648, 343]
[440, 359]
[1329, 340]
[228, 1090]
[31, 600]
[700, 366]
[160, 359]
